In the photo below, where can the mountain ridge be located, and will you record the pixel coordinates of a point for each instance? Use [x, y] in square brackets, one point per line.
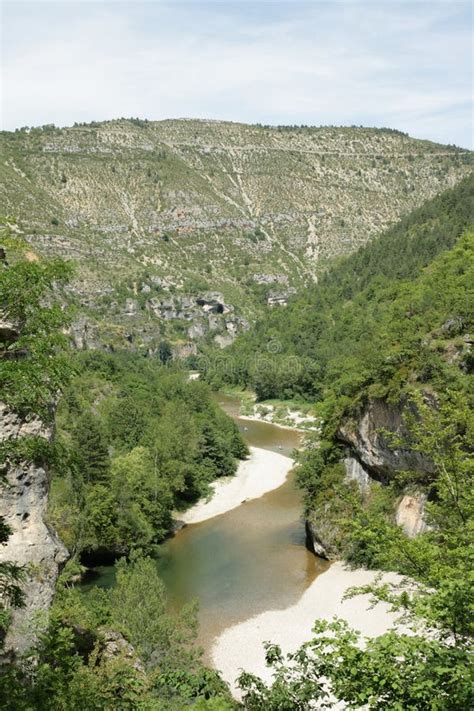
[245, 211]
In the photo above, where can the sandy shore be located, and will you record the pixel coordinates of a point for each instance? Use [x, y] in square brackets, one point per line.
[256, 418]
[261, 472]
[240, 646]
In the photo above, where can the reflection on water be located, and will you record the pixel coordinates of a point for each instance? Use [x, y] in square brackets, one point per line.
[260, 434]
[246, 561]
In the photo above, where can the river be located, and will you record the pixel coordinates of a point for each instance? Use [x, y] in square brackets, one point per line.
[243, 562]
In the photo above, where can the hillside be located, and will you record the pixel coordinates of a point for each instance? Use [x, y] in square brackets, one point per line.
[382, 338]
[365, 323]
[188, 228]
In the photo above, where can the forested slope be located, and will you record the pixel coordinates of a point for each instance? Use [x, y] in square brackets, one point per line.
[372, 315]
[137, 440]
[133, 439]
[156, 214]
[383, 347]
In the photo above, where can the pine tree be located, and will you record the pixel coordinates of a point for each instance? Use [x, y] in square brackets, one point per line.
[91, 454]
[165, 353]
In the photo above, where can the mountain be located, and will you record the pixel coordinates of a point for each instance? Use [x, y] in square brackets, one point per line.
[374, 316]
[383, 348]
[187, 228]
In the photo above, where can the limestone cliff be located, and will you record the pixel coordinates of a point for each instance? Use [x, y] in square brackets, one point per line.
[372, 459]
[23, 502]
[156, 212]
[367, 436]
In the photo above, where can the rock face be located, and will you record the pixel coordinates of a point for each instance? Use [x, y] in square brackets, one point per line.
[115, 646]
[280, 298]
[23, 502]
[9, 331]
[410, 514]
[356, 472]
[367, 437]
[372, 459]
[319, 539]
[145, 207]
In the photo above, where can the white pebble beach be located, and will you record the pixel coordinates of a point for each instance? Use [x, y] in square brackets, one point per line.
[261, 472]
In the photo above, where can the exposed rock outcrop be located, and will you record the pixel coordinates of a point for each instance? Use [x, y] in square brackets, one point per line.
[109, 645]
[356, 472]
[213, 301]
[23, 502]
[410, 514]
[368, 436]
[280, 298]
[9, 330]
[320, 539]
[371, 459]
[115, 646]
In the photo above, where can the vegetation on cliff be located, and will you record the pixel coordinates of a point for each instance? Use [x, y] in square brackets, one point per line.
[374, 317]
[115, 649]
[428, 664]
[32, 368]
[154, 212]
[138, 440]
[135, 439]
[391, 324]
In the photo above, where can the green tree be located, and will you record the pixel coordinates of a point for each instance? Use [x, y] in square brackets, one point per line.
[144, 499]
[139, 608]
[391, 672]
[126, 421]
[33, 364]
[33, 367]
[90, 449]
[11, 579]
[430, 669]
[165, 354]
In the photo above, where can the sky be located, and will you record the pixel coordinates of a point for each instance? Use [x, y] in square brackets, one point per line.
[404, 65]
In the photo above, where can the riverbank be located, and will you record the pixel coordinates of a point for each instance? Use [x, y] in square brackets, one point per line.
[241, 646]
[257, 418]
[290, 419]
[263, 471]
[286, 414]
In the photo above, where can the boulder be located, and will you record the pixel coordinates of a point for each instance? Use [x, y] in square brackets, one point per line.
[131, 307]
[9, 329]
[319, 539]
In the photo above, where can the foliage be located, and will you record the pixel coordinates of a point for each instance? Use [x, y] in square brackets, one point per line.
[431, 667]
[138, 604]
[375, 317]
[375, 175]
[140, 441]
[391, 672]
[70, 668]
[92, 457]
[11, 579]
[33, 365]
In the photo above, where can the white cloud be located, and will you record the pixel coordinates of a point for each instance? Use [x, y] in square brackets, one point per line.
[405, 65]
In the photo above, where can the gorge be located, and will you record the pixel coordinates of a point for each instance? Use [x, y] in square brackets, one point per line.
[380, 359]
[249, 567]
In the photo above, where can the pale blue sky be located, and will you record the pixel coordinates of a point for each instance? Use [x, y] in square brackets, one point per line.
[406, 65]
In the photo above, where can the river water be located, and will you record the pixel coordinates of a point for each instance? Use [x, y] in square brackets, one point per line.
[245, 561]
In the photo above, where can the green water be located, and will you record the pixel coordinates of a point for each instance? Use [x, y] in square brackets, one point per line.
[246, 561]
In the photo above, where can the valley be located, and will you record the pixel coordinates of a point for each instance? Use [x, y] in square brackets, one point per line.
[110, 446]
[187, 229]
